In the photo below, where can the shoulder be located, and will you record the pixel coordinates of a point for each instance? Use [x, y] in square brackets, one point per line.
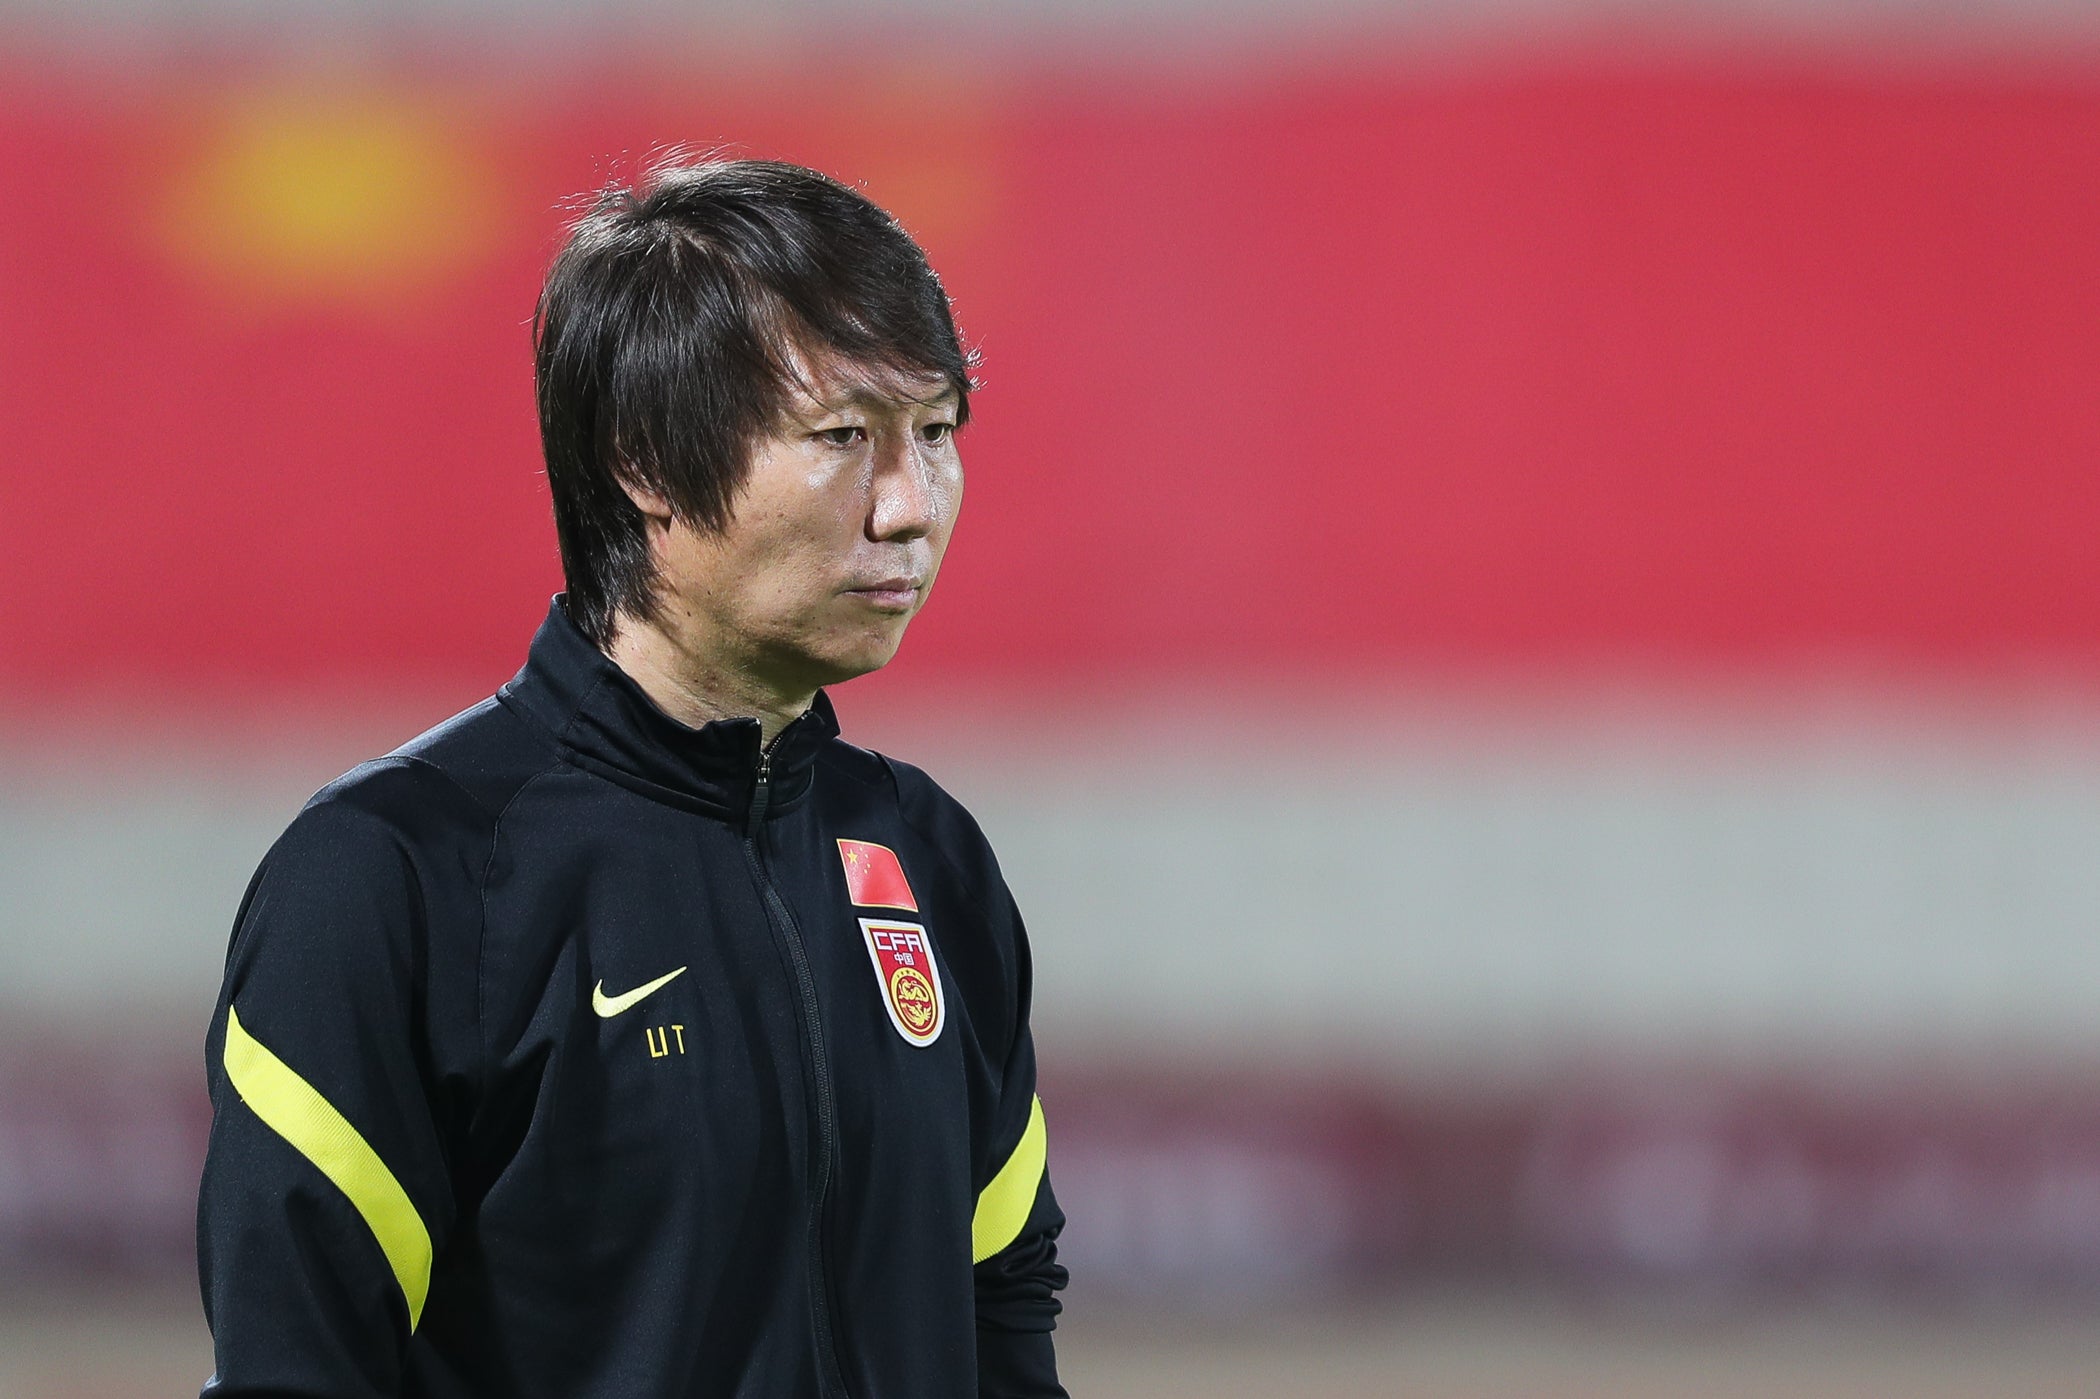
[443, 793]
[930, 810]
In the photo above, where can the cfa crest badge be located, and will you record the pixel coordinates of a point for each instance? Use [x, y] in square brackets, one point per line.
[911, 984]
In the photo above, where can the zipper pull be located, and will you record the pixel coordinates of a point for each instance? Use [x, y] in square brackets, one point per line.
[759, 790]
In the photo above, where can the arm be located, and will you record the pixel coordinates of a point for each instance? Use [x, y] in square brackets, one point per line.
[1014, 1231]
[1016, 1220]
[325, 1192]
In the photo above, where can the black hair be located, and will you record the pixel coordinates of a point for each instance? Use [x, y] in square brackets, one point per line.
[668, 336]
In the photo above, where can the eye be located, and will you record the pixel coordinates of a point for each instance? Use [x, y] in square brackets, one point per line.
[937, 433]
[841, 436]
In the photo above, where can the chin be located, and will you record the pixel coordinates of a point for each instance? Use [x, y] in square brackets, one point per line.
[849, 662]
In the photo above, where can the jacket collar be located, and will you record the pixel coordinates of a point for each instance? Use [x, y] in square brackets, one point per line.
[604, 722]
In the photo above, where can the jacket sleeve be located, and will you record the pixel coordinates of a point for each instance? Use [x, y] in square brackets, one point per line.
[325, 1192]
[1017, 1221]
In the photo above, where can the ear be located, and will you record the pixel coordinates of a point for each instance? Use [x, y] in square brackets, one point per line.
[654, 507]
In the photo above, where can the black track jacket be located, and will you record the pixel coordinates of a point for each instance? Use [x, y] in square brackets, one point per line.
[568, 1051]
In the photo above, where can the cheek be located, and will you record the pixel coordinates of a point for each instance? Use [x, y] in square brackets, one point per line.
[948, 494]
[799, 571]
[751, 574]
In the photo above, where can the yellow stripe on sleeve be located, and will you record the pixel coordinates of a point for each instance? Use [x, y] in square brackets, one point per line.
[1003, 1208]
[289, 1106]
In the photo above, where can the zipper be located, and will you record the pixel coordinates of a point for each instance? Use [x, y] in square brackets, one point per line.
[820, 1075]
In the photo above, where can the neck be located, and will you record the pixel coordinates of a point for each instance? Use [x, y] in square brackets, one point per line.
[694, 684]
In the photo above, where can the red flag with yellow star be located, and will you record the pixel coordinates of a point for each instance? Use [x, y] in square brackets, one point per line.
[874, 878]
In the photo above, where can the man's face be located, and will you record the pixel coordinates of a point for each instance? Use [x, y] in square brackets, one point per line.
[834, 540]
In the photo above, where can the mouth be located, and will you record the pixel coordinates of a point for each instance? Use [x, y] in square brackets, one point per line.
[889, 594]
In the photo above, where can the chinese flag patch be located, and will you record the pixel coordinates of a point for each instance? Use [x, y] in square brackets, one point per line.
[874, 879]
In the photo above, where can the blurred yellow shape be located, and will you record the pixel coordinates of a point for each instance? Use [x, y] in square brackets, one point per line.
[936, 198]
[924, 141]
[328, 198]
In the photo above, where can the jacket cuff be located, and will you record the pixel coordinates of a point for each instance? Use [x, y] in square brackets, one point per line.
[1017, 1365]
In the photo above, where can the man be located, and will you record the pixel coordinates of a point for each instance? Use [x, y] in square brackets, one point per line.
[630, 1034]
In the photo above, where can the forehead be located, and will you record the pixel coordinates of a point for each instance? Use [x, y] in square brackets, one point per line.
[822, 384]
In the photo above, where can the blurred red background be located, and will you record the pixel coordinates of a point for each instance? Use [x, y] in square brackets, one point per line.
[1692, 364]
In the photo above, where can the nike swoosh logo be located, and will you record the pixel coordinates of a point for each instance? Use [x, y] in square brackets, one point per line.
[609, 1006]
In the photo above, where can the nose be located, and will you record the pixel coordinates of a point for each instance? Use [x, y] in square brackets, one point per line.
[912, 493]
